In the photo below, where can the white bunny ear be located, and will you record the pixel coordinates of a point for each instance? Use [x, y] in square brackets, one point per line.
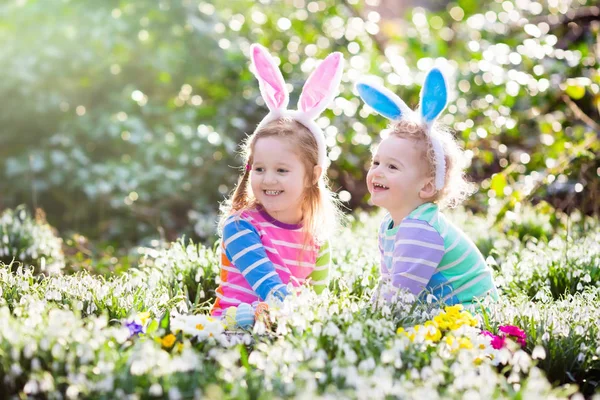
[434, 95]
[270, 80]
[321, 86]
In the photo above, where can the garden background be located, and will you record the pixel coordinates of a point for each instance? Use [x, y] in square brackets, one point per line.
[120, 126]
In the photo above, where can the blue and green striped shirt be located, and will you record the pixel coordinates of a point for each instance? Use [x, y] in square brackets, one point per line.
[427, 254]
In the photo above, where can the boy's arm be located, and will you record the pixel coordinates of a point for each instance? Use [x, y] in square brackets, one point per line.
[418, 250]
[319, 277]
[247, 253]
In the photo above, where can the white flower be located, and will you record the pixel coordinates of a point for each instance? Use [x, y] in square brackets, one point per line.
[199, 326]
[155, 390]
[331, 329]
[538, 353]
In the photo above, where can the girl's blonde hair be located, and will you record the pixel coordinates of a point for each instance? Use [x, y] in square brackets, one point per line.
[320, 209]
[456, 187]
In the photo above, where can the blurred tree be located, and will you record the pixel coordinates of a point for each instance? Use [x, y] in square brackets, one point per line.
[527, 92]
[121, 117]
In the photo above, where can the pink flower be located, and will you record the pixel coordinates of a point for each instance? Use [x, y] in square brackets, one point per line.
[515, 332]
[498, 342]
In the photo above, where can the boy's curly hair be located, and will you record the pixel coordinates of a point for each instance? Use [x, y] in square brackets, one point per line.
[456, 187]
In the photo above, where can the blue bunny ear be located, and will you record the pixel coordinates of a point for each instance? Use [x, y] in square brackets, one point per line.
[434, 95]
[382, 100]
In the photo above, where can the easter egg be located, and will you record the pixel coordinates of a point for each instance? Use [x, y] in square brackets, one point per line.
[230, 317]
[244, 316]
[261, 308]
[261, 313]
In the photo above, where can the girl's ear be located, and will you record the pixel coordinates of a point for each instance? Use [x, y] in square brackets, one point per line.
[270, 80]
[317, 172]
[428, 190]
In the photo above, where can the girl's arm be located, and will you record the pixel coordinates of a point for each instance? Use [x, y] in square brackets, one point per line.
[319, 278]
[246, 252]
[418, 250]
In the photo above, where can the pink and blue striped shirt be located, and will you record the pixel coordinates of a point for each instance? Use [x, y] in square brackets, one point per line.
[261, 256]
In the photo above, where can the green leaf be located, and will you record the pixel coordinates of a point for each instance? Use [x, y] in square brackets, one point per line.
[498, 184]
[152, 327]
[165, 321]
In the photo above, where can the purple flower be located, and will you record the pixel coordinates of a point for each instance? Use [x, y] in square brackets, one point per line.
[134, 328]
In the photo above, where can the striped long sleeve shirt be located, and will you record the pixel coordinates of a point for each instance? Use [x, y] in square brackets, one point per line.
[427, 254]
[260, 256]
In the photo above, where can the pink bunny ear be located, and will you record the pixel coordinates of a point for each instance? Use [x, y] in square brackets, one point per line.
[322, 85]
[270, 80]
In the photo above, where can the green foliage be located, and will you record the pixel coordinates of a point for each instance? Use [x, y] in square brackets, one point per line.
[336, 343]
[104, 259]
[190, 270]
[105, 115]
[567, 330]
[30, 241]
[125, 116]
[564, 265]
[182, 275]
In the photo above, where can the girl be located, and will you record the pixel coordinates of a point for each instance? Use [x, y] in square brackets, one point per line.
[274, 226]
[417, 170]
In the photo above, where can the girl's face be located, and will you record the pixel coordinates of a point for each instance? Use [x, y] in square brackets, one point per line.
[278, 179]
[397, 177]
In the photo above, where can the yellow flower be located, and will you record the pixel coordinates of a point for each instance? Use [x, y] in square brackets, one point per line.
[449, 340]
[168, 341]
[465, 343]
[454, 320]
[472, 320]
[434, 335]
[442, 321]
[431, 323]
[454, 310]
[411, 336]
[143, 316]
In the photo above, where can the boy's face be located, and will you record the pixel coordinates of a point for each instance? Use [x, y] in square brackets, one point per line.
[398, 175]
[278, 179]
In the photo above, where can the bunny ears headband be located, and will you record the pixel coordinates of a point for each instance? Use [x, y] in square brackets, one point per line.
[318, 91]
[433, 100]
